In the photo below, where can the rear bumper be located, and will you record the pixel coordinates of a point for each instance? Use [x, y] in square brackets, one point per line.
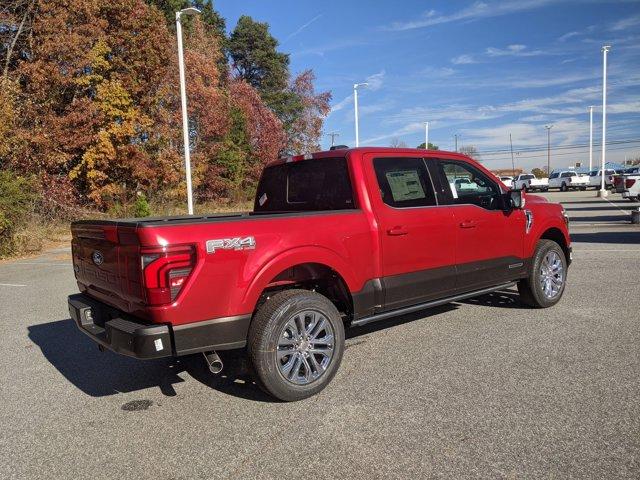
[122, 334]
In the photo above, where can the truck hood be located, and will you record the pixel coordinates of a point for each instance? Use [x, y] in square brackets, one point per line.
[536, 199]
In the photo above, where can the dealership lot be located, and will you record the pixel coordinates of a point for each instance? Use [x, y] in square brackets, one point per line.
[482, 388]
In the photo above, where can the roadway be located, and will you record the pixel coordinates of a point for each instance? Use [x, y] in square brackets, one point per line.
[482, 388]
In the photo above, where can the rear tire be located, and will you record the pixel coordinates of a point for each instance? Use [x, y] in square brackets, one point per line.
[292, 363]
[546, 278]
[563, 187]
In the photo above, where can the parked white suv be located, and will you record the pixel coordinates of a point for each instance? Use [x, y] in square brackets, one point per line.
[595, 178]
[568, 179]
[528, 181]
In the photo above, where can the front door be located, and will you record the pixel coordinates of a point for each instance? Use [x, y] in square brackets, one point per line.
[489, 239]
[418, 261]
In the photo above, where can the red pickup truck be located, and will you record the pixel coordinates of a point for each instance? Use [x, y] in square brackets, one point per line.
[335, 239]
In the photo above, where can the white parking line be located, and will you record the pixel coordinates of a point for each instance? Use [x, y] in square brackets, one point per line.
[617, 206]
[48, 264]
[11, 285]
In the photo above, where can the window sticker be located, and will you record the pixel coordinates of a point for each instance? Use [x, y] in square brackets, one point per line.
[405, 185]
[263, 199]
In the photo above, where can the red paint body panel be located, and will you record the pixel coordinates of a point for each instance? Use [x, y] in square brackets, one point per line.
[354, 243]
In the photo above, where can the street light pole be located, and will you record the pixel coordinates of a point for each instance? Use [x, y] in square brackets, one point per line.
[426, 135]
[548, 127]
[183, 99]
[355, 108]
[605, 50]
[513, 165]
[590, 137]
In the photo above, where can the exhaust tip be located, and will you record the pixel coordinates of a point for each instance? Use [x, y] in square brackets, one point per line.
[213, 361]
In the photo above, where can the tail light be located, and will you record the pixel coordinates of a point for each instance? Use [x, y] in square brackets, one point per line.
[165, 271]
[629, 182]
[617, 180]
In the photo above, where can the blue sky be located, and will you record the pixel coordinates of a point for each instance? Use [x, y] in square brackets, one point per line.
[479, 69]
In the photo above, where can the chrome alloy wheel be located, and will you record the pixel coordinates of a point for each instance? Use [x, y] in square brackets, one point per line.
[551, 275]
[305, 347]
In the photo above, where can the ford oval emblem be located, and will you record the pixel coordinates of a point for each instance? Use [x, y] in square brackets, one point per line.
[97, 257]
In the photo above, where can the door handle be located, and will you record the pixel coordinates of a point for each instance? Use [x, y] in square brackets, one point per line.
[468, 224]
[398, 230]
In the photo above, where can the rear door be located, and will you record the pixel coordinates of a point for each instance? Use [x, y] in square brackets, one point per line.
[418, 262]
[488, 239]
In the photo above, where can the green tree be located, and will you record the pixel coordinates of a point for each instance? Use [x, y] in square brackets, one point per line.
[431, 146]
[255, 59]
[539, 173]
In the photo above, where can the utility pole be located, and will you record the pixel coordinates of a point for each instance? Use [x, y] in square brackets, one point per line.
[183, 100]
[513, 165]
[333, 135]
[605, 50]
[548, 127]
[426, 135]
[456, 139]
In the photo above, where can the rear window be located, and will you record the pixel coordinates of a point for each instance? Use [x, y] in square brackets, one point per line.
[307, 185]
[527, 177]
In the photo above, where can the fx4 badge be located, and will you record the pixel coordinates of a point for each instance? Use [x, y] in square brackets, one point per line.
[237, 243]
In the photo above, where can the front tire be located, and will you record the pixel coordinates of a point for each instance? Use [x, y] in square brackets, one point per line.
[547, 277]
[296, 342]
[563, 187]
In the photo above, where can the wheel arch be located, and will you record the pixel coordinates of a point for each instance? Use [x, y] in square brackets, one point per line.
[555, 234]
[311, 268]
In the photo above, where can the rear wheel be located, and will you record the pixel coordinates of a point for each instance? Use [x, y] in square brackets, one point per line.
[545, 283]
[563, 187]
[296, 342]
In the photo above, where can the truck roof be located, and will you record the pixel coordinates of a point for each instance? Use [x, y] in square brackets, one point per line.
[343, 152]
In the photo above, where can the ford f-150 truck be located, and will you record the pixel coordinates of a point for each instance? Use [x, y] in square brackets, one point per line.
[529, 182]
[336, 239]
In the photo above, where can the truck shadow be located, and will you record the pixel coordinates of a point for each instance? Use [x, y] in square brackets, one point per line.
[100, 374]
[626, 237]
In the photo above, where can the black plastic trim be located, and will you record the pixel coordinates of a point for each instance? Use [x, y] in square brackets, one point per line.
[224, 333]
[424, 306]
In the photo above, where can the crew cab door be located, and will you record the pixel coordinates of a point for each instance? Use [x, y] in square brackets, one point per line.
[488, 238]
[418, 262]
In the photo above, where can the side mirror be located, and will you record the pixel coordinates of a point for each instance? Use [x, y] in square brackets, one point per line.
[516, 198]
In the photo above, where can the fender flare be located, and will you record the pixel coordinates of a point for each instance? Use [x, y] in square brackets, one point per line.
[291, 258]
[541, 229]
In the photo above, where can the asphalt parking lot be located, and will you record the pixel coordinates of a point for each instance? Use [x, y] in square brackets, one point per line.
[484, 388]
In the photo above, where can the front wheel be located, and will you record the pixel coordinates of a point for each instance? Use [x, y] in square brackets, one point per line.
[563, 187]
[545, 283]
[296, 342]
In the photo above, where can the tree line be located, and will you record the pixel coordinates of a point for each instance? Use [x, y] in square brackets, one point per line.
[90, 105]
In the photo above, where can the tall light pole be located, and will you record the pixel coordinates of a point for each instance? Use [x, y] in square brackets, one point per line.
[548, 127]
[605, 50]
[590, 137]
[426, 135]
[355, 108]
[455, 136]
[183, 98]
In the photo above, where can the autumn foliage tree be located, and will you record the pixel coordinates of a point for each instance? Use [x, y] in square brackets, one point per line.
[90, 104]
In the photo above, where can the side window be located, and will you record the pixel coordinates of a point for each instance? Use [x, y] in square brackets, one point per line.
[554, 175]
[468, 185]
[404, 182]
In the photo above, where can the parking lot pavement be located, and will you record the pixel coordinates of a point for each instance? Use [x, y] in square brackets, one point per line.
[484, 388]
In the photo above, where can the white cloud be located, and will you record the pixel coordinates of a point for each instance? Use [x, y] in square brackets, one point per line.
[516, 50]
[341, 104]
[475, 11]
[567, 36]
[463, 60]
[375, 81]
[625, 23]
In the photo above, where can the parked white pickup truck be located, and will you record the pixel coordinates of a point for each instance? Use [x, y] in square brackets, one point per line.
[528, 181]
[595, 178]
[568, 179]
[628, 184]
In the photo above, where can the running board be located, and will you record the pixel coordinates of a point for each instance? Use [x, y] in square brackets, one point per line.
[423, 306]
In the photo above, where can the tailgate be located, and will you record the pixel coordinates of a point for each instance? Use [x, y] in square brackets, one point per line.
[106, 263]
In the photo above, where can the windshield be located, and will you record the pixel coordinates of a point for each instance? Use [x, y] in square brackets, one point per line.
[307, 185]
